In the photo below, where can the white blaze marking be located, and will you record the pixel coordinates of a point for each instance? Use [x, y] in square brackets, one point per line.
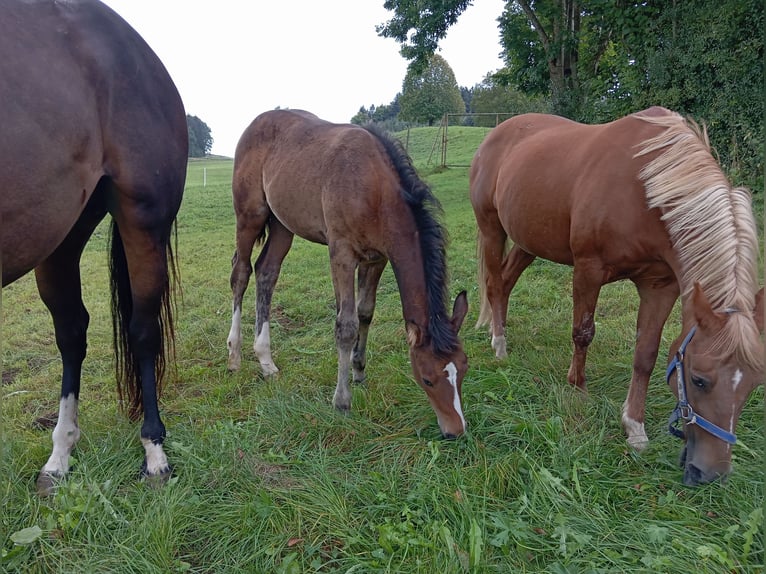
[451, 370]
[65, 435]
[736, 380]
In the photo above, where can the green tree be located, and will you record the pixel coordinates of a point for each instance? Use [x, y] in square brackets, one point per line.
[501, 102]
[200, 138]
[427, 96]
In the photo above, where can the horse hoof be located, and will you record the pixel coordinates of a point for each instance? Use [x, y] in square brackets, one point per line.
[234, 364]
[158, 479]
[269, 370]
[47, 483]
[343, 409]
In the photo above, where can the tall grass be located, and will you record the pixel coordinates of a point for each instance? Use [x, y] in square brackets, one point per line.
[268, 478]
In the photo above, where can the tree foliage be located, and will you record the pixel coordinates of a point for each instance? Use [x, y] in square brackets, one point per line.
[427, 96]
[597, 60]
[493, 98]
[200, 138]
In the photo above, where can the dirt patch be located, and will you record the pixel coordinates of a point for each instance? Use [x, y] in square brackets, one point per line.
[9, 375]
[46, 421]
[287, 323]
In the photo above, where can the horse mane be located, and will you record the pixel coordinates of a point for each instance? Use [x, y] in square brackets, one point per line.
[710, 224]
[427, 212]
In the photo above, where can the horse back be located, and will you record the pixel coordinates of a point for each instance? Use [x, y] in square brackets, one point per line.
[563, 190]
[320, 179]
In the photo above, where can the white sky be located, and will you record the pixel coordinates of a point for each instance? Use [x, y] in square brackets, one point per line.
[233, 59]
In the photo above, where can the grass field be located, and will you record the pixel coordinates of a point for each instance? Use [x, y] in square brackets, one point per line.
[268, 478]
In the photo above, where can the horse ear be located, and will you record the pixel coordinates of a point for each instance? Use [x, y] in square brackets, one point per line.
[706, 318]
[758, 312]
[414, 334]
[459, 310]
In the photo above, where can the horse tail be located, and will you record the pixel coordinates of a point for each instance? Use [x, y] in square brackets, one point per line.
[485, 311]
[129, 389]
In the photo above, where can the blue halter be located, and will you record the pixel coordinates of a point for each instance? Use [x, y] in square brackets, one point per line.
[684, 410]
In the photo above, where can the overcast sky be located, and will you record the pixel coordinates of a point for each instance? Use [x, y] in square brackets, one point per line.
[233, 59]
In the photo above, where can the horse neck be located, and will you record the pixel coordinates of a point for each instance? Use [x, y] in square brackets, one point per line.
[407, 264]
[413, 292]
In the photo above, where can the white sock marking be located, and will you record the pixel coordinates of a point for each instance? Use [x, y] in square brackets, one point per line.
[156, 461]
[451, 370]
[262, 348]
[65, 436]
[234, 342]
[636, 432]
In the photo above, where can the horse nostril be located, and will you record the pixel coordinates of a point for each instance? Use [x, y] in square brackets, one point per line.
[449, 436]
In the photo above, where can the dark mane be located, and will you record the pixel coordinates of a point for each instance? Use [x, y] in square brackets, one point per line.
[433, 240]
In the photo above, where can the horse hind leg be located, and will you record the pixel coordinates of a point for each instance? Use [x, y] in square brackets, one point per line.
[368, 280]
[267, 269]
[656, 303]
[59, 285]
[248, 233]
[143, 310]
[498, 275]
[586, 286]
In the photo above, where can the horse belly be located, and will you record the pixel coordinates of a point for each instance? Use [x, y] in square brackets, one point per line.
[538, 225]
[298, 211]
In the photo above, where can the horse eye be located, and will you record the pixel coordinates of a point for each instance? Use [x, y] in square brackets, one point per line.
[699, 382]
[427, 383]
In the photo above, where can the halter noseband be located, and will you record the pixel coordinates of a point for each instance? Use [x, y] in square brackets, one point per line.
[684, 410]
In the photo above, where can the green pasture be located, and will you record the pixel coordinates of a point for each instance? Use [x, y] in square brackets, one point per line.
[268, 478]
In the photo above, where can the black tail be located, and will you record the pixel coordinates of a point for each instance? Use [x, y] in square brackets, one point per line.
[129, 389]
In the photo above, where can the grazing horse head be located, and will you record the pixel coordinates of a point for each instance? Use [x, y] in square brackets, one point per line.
[712, 377]
[440, 373]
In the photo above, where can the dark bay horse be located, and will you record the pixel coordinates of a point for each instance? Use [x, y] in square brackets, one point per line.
[92, 124]
[640, 198]
[355, 190]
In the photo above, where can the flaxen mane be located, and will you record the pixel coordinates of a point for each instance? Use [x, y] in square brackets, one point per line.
[710, 224]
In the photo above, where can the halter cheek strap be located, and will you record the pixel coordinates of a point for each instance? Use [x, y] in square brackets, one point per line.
[684, 411]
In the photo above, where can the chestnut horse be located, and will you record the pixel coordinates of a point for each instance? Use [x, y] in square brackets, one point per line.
[355, 190]
[92, 125]
[640, 198]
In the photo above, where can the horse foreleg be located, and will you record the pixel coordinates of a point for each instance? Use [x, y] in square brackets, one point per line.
[267, 269]
[654, 308]
[369, 277]
[343, 265]
[586, 285]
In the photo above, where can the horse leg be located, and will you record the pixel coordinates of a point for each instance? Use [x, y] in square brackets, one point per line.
[250, 227]
[368, 279]
[144, 239]
[499, 275]
[514, 265]
[266, 274]
[656, 303]
[586, 285]
[343, 265]
[58, 282]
